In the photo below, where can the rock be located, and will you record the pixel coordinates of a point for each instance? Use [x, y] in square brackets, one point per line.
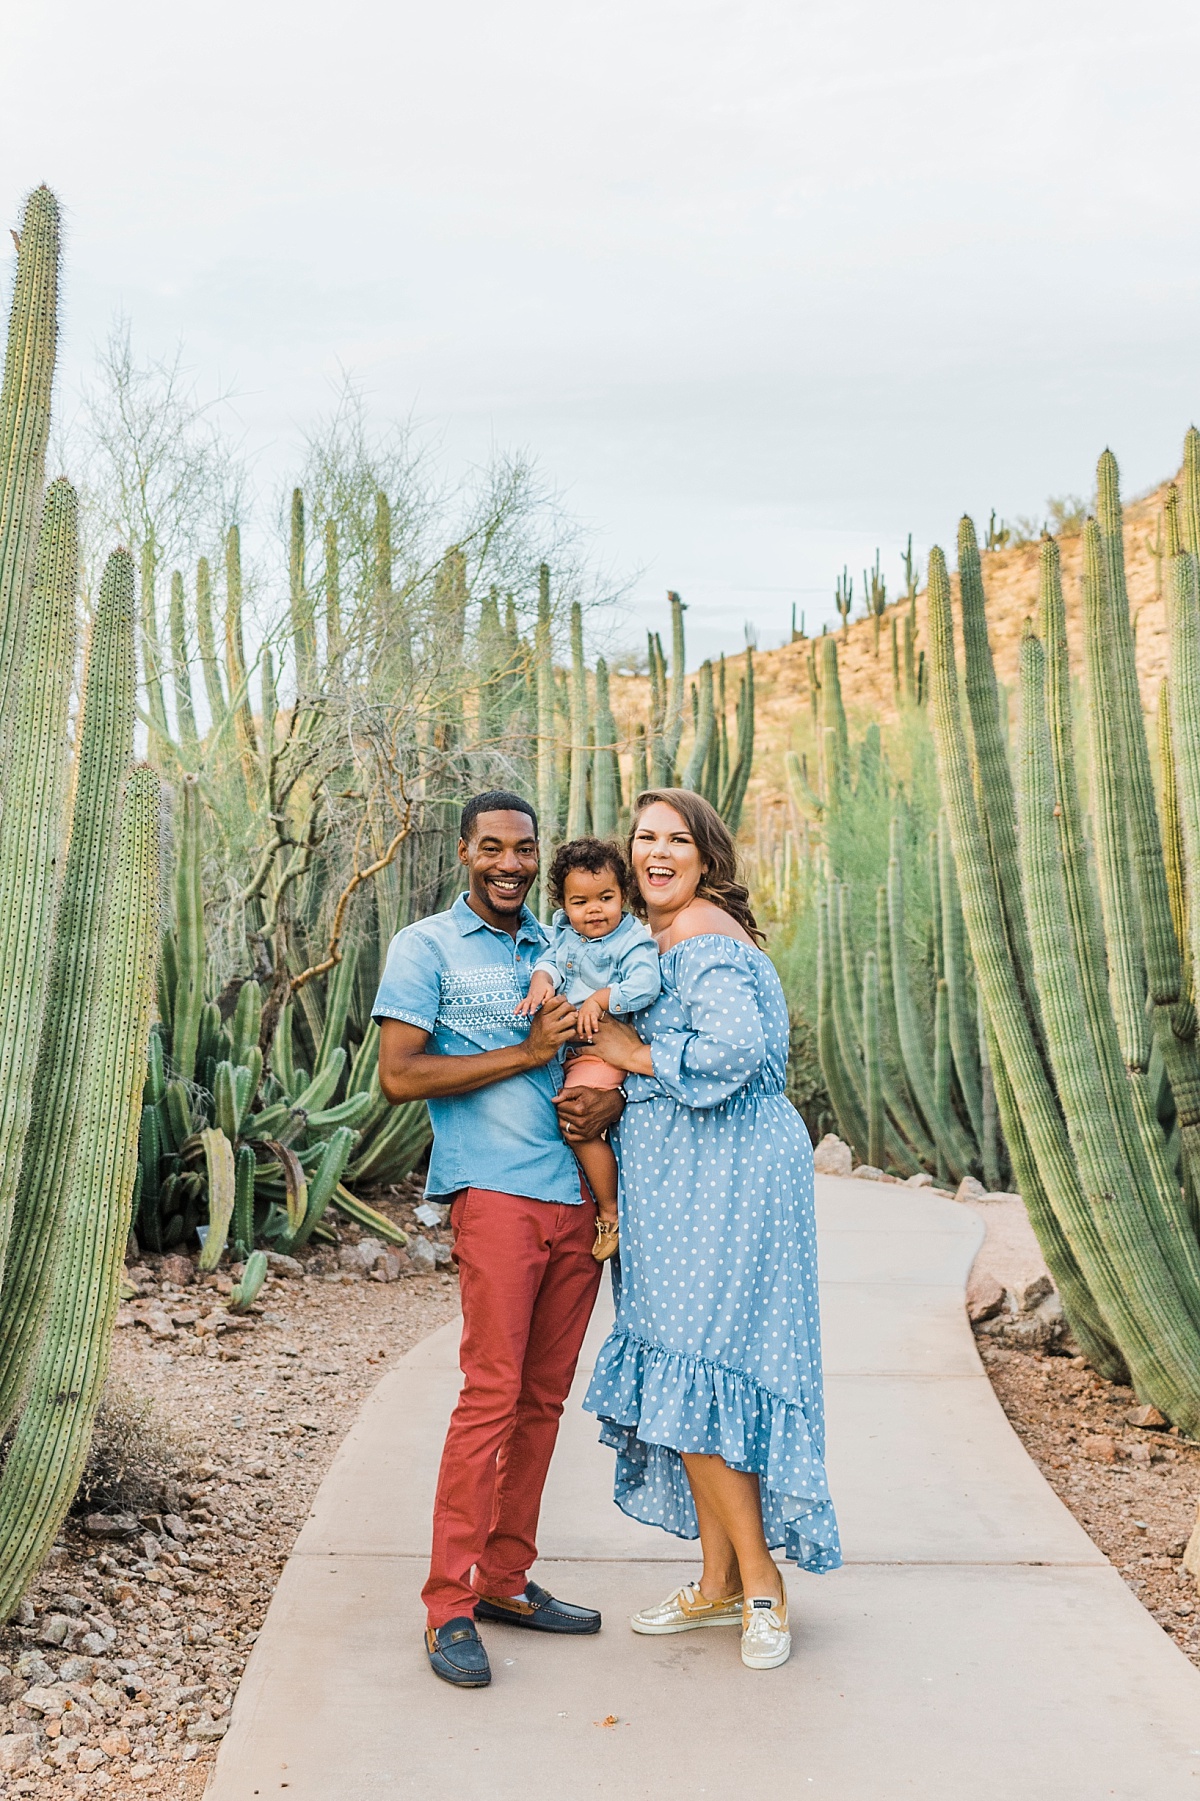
[279, 1265]
[1033, 1294]
[832, 1157]
[422, 1255]
[55, 1628]
[1148, 1418]
[139, 1772]
[922, 1179]
[206, 1730]
[36, 1671]
[97, 1643]
[116, 1743]
[430, 1213]
[48, 1700]
[110, 1525]
[24, 1614]
[1034, 1331]
[866, 1172]
[75, 1669]
[389, 1266]
[67, 1604]
[1100, 1449]
[969, 1190]
[17, 1751]
[985, 1298]
[177, 1270]
[90, 1758]
[361, 1258]
[442, 1255]
[13, 1686]
[179, 1529]
[1139, 1453]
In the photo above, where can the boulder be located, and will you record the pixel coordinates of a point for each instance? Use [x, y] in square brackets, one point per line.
[922, 1179]
[422, 1255]
[1033, 1294]
[985, 1298]
[969, 1190]
[279, 1265]
[866, 1172]
[832, 1157]
[1149, 1419]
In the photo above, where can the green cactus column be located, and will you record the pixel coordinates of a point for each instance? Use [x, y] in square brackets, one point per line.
[334, 640]
[31, 825]
[105, 739]
[876, 1153]
[207, 644]
[673, 723]
[578, 820]
[25, 419]
[1127, 1272]
[235, 661]
[733, 798]
[181, 678]
[48, 1452]
[304, 624]
[960, 1020]
[898, 1096]
[846, 1104]
[547, 794]
[189, 930]
[1034, 1115]
[152, 659]
[606, 769]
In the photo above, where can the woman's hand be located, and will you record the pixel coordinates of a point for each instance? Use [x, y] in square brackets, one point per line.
[620, 1045]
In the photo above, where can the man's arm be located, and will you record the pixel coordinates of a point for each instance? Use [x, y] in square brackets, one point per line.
[583, 1113]
[407, 1072]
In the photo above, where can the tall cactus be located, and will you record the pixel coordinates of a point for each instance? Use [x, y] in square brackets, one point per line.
[960, 1020]
[235, 660]
[876, 1153]
[304, 625]
[673, 723]
[31, 825]
[152, 657]
[577, 806]
[606, 770]
[1029, 1107]
[25, 419]
[207, 644]
[547, 796]
[105, 740]
[189, 931]
[181, 679]
[1117, 1245]
[47, 1457]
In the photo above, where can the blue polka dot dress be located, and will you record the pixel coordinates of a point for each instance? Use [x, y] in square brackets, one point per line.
[716, 1345]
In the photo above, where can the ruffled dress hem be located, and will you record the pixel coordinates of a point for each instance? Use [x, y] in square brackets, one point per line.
[653, 1404]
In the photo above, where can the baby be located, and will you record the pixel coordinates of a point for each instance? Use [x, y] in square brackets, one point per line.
[606, 962]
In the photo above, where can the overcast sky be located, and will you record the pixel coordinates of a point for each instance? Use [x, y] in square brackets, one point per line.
[761, 285]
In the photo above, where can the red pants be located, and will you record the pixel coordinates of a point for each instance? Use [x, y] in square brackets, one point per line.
[529, 1283]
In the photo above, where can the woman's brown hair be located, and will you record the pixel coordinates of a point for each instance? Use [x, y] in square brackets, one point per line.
[718, 854]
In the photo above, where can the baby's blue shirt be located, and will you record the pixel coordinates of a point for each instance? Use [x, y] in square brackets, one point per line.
[626, 961]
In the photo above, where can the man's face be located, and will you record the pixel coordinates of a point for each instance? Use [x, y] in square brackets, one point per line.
[501, 860]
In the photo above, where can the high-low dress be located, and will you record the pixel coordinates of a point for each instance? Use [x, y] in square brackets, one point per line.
[716, 1345]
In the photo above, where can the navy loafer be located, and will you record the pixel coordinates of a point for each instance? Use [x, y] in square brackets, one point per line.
[456, 1654]
[538, 1611]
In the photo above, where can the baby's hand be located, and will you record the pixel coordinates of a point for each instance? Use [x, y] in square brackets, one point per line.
[539, 987]
[590, 1015]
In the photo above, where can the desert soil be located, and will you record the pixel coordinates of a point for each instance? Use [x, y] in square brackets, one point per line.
[250, 1417]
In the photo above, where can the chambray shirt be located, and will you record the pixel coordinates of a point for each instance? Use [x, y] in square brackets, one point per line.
[625, 961]
[459, 979]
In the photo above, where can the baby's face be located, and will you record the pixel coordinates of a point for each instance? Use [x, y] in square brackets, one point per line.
[592, 903]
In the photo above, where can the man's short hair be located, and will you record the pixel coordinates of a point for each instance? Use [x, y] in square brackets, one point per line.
[496, 800]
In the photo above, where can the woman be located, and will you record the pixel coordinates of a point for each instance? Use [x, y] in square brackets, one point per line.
[709, 1384]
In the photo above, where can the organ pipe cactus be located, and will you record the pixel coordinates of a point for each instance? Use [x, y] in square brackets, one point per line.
[1033, 1124]
[46, 1460]
[31, 825]
[876, 1153]
[577, 804]
[960, 1020]
[547, 795]
[105, 741]
[606, 771]
[25, 419]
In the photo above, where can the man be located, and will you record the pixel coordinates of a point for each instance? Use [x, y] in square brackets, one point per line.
[523, 1223]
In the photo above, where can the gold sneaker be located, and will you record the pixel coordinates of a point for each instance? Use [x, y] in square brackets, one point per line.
[766, 1641]
[686, 1610]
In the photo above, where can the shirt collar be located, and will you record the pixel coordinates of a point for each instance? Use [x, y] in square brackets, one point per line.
[468, 920]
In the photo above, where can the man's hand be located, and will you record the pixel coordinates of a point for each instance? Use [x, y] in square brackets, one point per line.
[584, 1113]
[550, 1029]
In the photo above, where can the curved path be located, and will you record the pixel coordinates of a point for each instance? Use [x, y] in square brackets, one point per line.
[976, 1641]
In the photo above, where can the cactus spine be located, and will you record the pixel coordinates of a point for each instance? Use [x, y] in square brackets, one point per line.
[47, 1457]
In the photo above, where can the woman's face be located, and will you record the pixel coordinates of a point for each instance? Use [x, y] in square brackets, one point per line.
[666, 862]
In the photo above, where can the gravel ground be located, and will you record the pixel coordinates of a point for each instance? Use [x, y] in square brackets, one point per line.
[120, 1671]
[1133, 1489]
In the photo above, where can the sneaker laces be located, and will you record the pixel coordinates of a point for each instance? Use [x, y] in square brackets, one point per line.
[765, 1622]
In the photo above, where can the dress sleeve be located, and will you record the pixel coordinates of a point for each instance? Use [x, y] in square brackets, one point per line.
[638, 979]
[411, 989]
[724, 1046]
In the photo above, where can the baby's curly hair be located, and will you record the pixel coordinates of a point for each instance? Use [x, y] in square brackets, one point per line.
[592, 855]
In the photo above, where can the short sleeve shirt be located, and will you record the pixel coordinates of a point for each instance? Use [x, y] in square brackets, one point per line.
[459, 979]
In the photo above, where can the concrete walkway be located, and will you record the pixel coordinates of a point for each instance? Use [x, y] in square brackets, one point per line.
[977, 1641]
